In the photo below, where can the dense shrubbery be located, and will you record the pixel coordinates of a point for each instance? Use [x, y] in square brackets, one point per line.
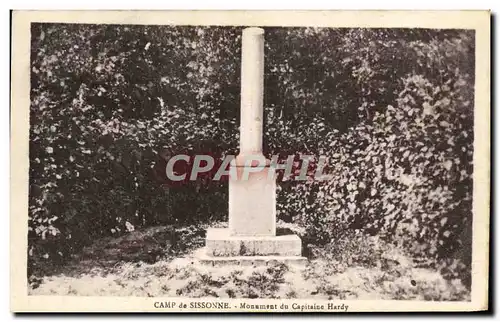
[403, 170]
[392, 110]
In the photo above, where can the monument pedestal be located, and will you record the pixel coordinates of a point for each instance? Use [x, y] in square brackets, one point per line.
[251, 237]
[252, 201]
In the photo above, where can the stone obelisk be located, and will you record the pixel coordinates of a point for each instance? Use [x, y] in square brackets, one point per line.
[251, 236]
[252, 199]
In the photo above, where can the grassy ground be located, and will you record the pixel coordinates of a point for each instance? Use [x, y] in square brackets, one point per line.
[152, 262]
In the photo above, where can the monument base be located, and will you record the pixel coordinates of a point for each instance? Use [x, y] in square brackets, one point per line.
[224, 248]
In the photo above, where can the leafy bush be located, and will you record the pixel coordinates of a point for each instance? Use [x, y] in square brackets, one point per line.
[404, 171]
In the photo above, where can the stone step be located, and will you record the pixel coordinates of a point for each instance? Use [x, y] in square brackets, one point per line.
[206, 259]
[221, 243]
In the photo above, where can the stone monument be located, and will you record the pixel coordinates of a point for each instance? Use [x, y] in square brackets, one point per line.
[251, 237]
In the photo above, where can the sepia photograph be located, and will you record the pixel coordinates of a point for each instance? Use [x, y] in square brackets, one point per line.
[255, 167]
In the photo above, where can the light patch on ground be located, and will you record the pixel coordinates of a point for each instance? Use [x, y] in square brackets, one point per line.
[320, 279]
[160, 261]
